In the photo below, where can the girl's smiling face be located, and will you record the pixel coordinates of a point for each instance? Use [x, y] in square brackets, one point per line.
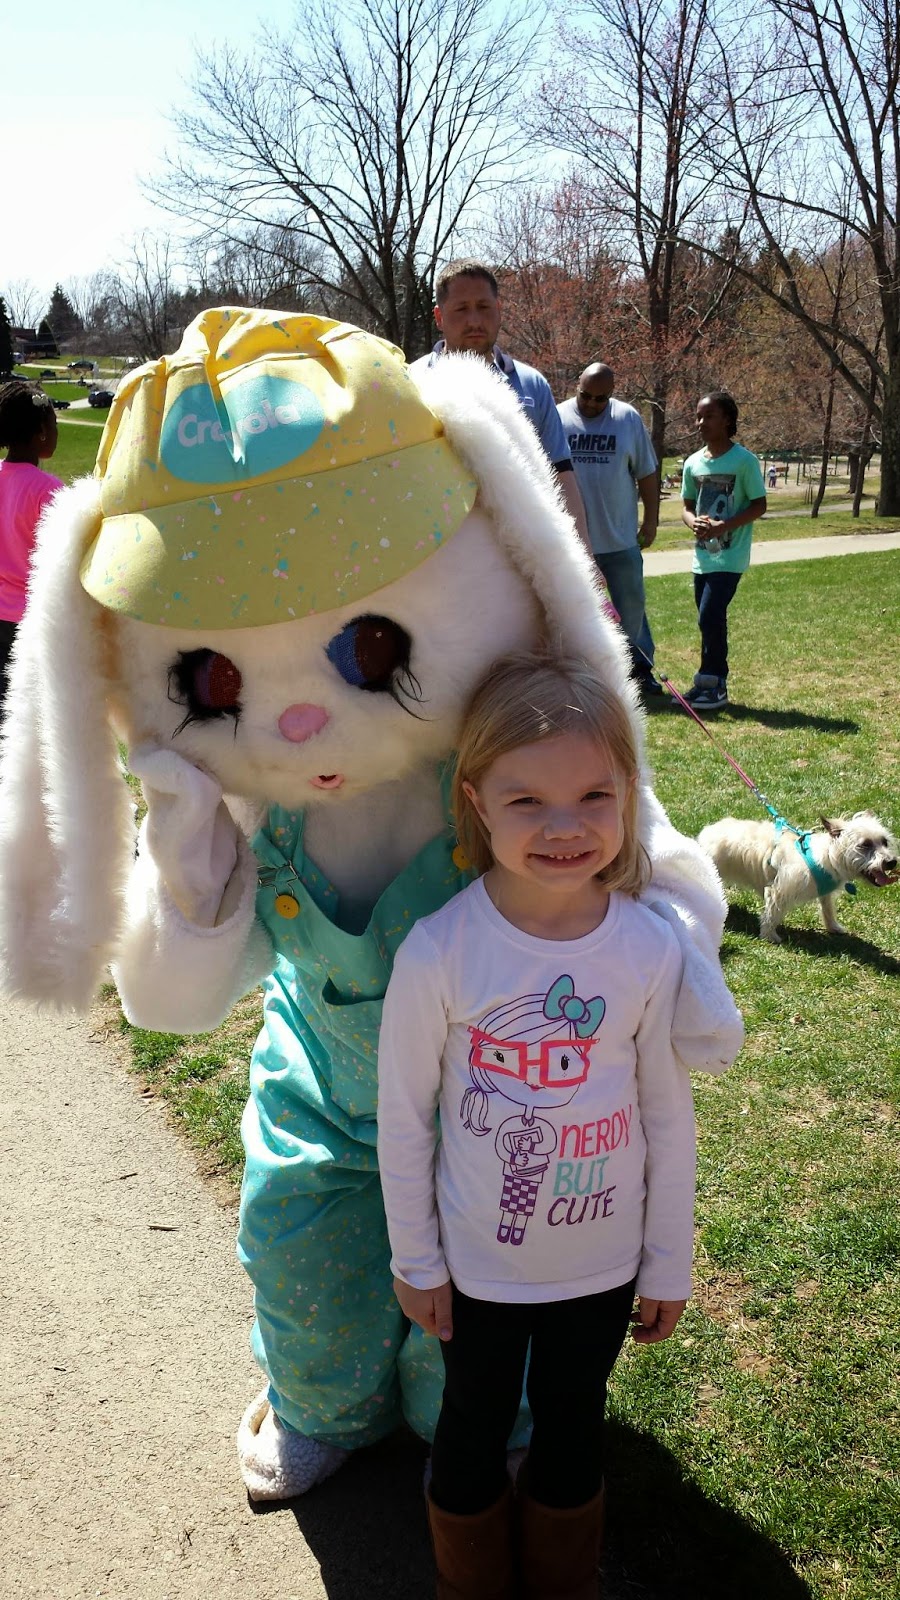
[553, 811]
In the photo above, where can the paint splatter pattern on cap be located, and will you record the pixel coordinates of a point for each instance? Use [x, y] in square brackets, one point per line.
[273, 468]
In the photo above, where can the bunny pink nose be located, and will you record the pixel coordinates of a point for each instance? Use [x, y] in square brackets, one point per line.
[301, 722]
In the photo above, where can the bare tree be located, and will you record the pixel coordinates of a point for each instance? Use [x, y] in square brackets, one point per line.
[146, 301]
[25, 303]
[861, 451]
[836, 286]
[266, 266]
[369, 133]
[558, 281]
[630, 103]
[811, 130]
[89, 295]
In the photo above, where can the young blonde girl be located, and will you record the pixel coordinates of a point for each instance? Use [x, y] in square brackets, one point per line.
[533, 1015]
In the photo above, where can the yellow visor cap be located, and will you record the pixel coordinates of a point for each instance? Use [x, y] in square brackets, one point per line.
[275, 466]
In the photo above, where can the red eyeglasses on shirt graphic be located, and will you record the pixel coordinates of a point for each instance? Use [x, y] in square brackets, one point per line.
[536, 1052]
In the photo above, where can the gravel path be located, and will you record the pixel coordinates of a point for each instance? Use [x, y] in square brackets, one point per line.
[124, 1365]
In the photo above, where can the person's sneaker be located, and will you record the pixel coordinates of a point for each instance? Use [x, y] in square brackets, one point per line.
[652, 693]
[708, 693]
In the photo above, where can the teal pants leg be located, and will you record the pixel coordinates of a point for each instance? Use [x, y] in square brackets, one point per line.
[342, 1363]
[314, 1241]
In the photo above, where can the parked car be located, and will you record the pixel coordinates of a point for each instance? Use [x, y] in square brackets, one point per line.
[47, 372]
[99, 397]
[81, 366]
[60, 405]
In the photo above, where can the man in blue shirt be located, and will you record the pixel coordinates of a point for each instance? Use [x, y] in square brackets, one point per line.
[467, 314]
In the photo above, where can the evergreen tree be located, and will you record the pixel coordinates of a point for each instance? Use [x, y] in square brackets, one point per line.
[6, 343]
[62, 316]
[46, 340]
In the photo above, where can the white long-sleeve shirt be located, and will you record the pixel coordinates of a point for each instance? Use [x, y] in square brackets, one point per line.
[565, 1160]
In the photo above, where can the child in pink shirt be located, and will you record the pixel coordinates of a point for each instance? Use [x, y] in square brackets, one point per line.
[28, 431]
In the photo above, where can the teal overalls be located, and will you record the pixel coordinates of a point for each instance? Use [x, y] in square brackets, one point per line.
[329, 1333]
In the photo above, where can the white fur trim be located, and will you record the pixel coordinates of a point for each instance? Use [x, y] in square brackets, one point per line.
[175, 976]
[66, 821]
[276, 1463]
[707, 1028]
[517, 486]
[682, 875]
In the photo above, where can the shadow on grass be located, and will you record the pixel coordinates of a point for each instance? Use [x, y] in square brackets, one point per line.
[816, 942]
[665, 1541]
[786, 719]
[734, 712]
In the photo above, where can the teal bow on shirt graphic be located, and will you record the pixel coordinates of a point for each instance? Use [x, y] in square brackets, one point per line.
[584, 1015]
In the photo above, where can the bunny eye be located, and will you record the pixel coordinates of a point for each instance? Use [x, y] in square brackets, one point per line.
[370, 652]
[208, 683]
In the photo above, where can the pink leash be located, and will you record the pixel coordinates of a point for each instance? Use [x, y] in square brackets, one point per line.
[686, 705]
[754, 789]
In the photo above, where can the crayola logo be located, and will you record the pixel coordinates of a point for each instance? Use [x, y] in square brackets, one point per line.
[257, 427]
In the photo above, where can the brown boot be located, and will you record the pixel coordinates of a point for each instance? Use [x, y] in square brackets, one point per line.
[559, 1551]
[473, 1555]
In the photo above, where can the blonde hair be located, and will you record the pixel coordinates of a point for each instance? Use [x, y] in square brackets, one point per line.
[523, 699]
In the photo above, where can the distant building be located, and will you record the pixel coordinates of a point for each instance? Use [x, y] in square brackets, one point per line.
[29, 342]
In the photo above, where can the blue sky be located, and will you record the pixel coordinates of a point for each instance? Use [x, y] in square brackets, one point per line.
[86, 92]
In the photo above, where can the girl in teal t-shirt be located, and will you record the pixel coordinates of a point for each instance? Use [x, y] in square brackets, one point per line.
[724, 494]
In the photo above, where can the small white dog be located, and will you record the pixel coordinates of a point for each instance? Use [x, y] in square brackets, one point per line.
[789, 872]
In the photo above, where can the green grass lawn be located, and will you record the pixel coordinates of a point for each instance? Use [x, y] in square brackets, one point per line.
[64, 390]
[757, 1454]
[77, 445]
[107, 366]
[673, 535]
[780, 1396]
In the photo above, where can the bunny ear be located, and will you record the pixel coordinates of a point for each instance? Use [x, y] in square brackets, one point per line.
[66, 822]
[491, 434]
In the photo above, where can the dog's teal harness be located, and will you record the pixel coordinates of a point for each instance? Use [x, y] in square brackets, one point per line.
[824, 881]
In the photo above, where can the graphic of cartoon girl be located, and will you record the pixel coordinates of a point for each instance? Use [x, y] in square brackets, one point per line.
[533, 1046]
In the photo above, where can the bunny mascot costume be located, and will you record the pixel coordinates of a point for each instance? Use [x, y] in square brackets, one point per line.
[290, 570]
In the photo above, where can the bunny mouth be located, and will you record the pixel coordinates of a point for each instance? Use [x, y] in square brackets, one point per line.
[328, 780]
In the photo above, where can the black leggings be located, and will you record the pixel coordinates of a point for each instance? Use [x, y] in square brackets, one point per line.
[574, 1345]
